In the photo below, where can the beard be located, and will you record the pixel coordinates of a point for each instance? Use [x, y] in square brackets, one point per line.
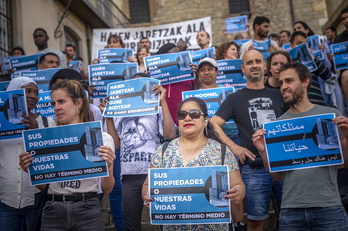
[297, 97]
[262, 34]
[253, 77]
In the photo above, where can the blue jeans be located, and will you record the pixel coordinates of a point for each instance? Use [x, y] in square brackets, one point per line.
[12, 219]
[259, 183]
[313, 219]
[115, 197]
[82, 215]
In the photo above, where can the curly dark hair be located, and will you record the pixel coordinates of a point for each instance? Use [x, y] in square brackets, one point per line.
[221, 51]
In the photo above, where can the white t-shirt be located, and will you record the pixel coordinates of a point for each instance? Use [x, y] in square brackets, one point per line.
[80, 186]
[139, 140]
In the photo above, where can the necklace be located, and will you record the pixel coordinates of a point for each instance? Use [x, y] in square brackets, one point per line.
[193, 149]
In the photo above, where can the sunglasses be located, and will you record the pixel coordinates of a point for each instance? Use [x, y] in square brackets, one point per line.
[194, 114]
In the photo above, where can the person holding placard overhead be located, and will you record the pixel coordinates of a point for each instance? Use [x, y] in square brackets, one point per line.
[315, 94]
[16, 194]
[69, 207]
[137, 138]
[310, 199]
[197, 146]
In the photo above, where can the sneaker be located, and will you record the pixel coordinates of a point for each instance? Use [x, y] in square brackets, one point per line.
[240, 226]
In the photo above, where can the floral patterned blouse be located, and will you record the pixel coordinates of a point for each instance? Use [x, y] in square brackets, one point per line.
[209, 156]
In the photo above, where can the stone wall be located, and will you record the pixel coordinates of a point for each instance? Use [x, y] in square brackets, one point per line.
[311, 11]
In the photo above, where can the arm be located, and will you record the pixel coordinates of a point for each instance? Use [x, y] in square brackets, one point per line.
[169, 128]
[25, 160]
[241, 152]
[110, 125]
[342, 123]
[259, 143]
[144, 192]
[107, 154]
[112, 132]
[237, 192]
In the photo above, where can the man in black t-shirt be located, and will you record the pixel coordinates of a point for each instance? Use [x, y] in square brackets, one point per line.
[250, 107]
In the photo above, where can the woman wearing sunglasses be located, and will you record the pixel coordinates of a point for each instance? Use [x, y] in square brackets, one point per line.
[197, 146]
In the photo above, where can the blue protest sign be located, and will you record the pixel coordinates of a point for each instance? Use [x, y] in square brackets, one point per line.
[230, 72]
[5, 61]
[304, 142]
[41, 77]
[3, 85]
[340, 52]
[170, 68]
[65, 153]
[44, 106]
[240, 42]
[263, 47]
[201, 54]
[236, 24]
[133, 97]
[102, 74]
[25, 63]
[213, 97]
[75, 64]
[286, 46]
[302, 55]
[313, 43]
[12, 105]
[111, 55]
[189, 195]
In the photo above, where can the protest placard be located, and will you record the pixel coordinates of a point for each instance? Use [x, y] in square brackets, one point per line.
[25, 63]
[201, 54]
[44, 106]
[102, 74]
[305, 142]
[41, 77]
[286, 46]
[75, 64]
[170, 68]
[12, 105]
[133, 97]
[230, 72]
[313, 44]
[340, 52]
[158, 35]
[240, 42]
[114, 55]
[236, 24]
[189, 195]
[65, 153]
[213, 97]
[263, 47]
[301, 54]
[3, 85]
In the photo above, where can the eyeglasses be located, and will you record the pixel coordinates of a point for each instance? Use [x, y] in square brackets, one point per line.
[194, 114]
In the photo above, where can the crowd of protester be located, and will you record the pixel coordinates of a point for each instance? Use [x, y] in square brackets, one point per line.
[306, 199]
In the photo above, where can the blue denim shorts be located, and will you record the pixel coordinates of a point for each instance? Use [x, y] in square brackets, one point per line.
[316, 219]
[258, 183]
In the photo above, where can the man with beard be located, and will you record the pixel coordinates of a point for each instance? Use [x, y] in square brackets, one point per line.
[253, 105]
[310, 198]
[261, 29]
[203, 39]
